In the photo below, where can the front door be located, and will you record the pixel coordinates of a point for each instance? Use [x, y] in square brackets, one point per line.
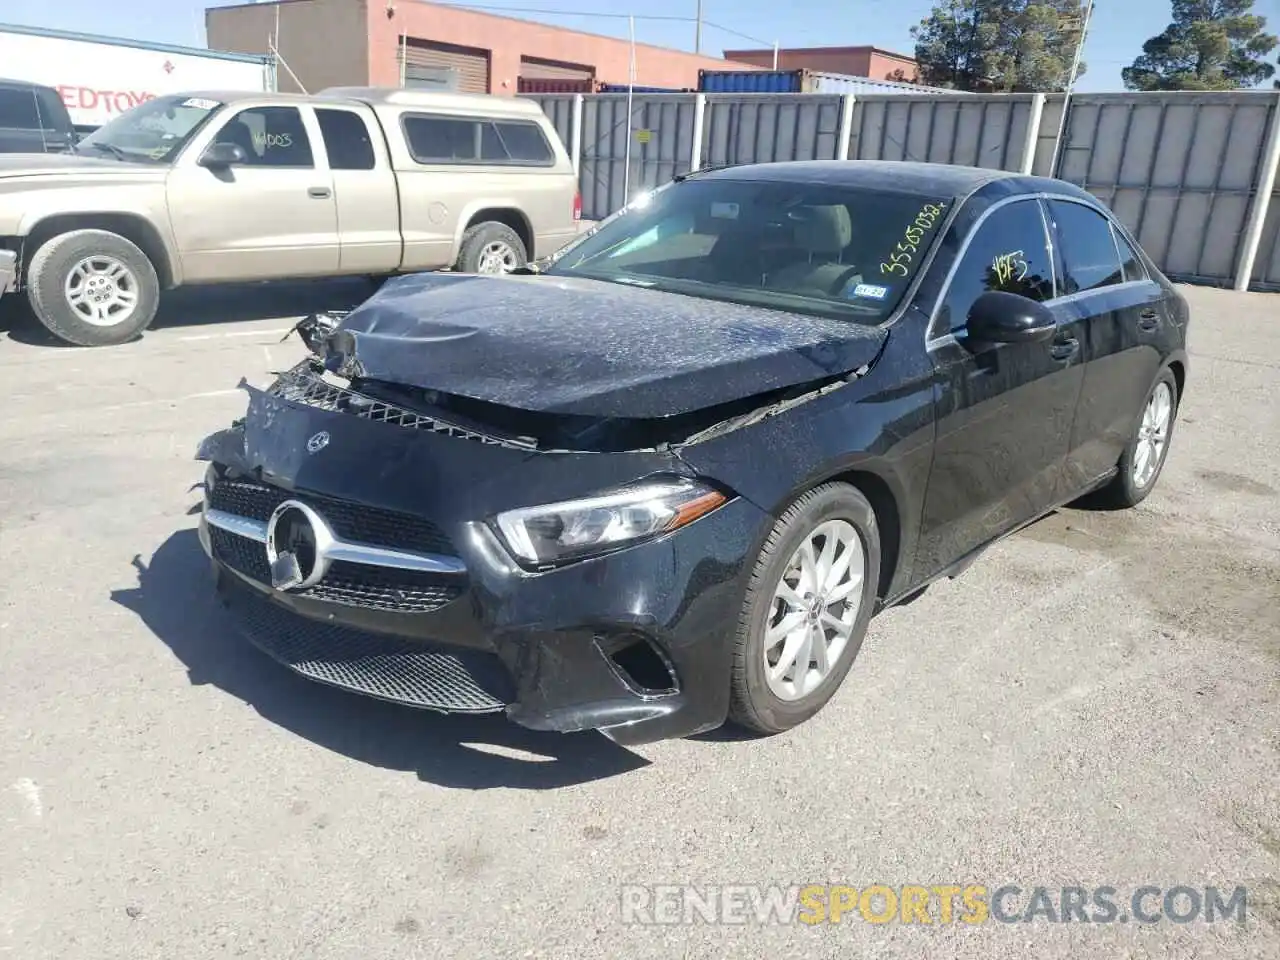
[1004, 413]
[273, 216]
[1123, 315]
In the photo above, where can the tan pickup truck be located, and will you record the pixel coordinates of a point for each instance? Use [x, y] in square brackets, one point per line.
[214, 187]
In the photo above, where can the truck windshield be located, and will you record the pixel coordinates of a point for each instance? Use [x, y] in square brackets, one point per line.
[152, 132]
[805, 247]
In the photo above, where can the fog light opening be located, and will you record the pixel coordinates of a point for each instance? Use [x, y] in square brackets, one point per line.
[641, 665]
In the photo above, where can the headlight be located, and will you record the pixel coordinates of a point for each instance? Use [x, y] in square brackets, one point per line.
[559, 532]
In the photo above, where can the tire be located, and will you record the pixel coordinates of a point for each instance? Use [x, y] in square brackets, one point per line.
[755, 702]
[56, 264]
[482, 240]
[1127, 489]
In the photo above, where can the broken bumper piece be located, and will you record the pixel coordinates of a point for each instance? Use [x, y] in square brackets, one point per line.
[8, 271]
[636, 644]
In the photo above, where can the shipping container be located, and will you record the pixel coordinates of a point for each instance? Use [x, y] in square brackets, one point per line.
[755, 81]
[540, 85]
[622, 88]
[98, 78]
[843, 83]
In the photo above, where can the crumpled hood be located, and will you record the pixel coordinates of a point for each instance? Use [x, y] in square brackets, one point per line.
[564, 345]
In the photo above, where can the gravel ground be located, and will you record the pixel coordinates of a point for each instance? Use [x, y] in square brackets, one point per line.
[1095, 702]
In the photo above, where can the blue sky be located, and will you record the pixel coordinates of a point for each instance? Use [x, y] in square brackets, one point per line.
[1119, 27]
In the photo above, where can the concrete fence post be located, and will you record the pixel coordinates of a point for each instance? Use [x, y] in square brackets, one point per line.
[845, 135]
[1032, 140]
[699, 119]
[1261, 202]
[575, 134]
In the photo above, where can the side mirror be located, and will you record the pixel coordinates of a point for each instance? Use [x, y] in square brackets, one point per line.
[1000, 317]
[219, 156]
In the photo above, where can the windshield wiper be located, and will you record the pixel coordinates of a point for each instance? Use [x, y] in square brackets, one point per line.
[112, 149]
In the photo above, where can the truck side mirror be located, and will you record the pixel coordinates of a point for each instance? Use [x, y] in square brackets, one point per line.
[219, 156]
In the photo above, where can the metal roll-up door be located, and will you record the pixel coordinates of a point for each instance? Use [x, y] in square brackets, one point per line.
[533, 68]
[443, 66]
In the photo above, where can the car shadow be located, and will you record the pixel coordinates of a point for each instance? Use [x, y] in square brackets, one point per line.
[212, 306]
[174, 598]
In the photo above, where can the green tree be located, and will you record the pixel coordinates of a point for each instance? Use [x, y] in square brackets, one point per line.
[1210, 45]
[999, 45]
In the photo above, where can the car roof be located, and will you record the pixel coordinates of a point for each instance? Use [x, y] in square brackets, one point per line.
[27, 84]
[903, 176]
[383, 96]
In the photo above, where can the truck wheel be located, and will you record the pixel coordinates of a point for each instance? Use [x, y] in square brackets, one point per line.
[491, 248]
[93, 288]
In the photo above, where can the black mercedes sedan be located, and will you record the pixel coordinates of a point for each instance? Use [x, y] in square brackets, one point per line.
[665, 477]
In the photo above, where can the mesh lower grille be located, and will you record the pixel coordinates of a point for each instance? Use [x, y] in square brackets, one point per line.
[352, 584]
[451, 680]
[350, 521]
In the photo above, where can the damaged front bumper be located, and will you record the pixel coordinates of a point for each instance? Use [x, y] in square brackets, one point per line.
[423, 604]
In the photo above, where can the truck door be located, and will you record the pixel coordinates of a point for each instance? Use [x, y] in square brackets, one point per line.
[365, 187]
[271, 217]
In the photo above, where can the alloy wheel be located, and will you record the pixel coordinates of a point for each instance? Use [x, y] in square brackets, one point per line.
[1153, 435]
[102, 291]
[814, 610]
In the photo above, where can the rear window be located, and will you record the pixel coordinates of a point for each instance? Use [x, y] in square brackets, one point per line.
[18, 109]
[441, 139]
[805, 247]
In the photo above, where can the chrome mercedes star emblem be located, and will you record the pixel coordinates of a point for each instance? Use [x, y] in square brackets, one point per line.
[318, 442]
[298, 546]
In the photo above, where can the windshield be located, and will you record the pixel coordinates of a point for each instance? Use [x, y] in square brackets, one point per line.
[154, 131]
[805, 247]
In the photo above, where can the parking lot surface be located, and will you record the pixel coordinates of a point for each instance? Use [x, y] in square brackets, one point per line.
[1096, 702]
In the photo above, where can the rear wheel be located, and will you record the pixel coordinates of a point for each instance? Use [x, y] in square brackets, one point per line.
[807, 608]
[491, 247]
[1143, 459]
[93, 288]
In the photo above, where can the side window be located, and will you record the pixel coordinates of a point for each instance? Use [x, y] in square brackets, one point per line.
[53, 112]
[442, 139]
[522, 143]
[346, 139]
[1009, 252]
[1089, 255]
[1133, 268]
[18, 109]
[270, 137]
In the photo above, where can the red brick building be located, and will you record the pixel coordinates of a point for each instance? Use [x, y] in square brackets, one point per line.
[406, 42]
[854, 61]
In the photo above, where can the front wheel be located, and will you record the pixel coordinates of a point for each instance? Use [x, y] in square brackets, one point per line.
[93, 288]
[808, 605]
[1143, 459]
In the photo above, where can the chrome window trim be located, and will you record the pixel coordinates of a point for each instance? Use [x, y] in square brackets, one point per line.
[1042, 197]
[345, 550]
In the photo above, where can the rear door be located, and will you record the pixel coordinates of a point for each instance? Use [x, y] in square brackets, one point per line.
[1122, 315]
[1004, 412]
[364, 188]
[273, 216]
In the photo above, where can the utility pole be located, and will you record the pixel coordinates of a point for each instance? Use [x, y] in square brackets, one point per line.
[697, 30]
[1071, 82]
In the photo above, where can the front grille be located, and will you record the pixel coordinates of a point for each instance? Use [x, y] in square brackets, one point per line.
[304, 386]
[350, 521]
[351, 584]
[451, 680]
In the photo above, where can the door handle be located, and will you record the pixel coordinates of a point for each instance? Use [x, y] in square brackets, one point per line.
[319, 193]
[1064, 349]
[1148, 319]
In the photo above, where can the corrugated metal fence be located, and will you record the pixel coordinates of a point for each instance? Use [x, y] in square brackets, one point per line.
[1189, 173]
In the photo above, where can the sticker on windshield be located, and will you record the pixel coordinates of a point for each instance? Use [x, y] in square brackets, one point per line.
[724, 210]
[200, 102]
[870, 291]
